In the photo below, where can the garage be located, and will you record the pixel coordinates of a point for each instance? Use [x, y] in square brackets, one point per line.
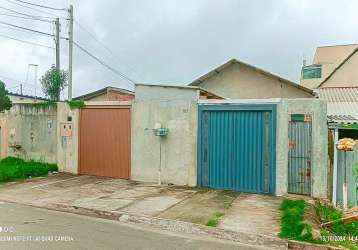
[237, 147]
[105, 141]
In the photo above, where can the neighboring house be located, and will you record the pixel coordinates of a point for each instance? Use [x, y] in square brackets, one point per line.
[238, 80]
[107, 94]
[327, 60]
[19, 98]
[334, 77]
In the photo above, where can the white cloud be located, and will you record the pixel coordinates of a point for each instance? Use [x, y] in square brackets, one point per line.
[175, 41]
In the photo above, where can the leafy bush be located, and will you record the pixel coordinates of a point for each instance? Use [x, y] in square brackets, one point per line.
[12, 168]
[5, 102]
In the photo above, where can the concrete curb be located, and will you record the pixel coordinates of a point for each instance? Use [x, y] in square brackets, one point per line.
[264, 241]
[292, 244]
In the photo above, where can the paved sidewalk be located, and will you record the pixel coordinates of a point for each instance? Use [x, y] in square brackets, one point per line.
[82, 232]
[249, 219]
[96, 193]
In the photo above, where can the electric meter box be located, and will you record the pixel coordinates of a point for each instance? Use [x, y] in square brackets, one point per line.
[161, 131]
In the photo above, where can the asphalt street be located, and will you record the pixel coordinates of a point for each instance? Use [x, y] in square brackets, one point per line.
[25, 227]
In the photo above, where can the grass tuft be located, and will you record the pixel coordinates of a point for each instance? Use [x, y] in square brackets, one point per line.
[219, 214]
[338, 228]
[212, 222]
[292, 226]
[12, 168]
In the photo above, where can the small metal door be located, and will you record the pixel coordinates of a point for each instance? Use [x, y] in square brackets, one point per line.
[299, 154]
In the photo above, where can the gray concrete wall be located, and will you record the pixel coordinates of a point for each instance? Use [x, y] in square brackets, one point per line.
[318, 110]
[178, 148]
[29, 132]
[166, 93]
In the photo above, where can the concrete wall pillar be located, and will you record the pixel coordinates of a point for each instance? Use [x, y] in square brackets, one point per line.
[67, 138]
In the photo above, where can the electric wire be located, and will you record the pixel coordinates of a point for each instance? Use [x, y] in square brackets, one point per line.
[28, 42]
[30, 30]
[26, 17]
[25, 14]
[41, 6]
[30, 8]
[104, 64]
[110, 52]
[93, 36]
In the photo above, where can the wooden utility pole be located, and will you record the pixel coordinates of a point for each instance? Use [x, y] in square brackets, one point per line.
[70, 50]
[57, 39]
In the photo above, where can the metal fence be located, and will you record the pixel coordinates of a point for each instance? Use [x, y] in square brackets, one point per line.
[346, 172]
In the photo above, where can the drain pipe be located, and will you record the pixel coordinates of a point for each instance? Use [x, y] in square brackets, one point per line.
[160, 132]
[160, 163]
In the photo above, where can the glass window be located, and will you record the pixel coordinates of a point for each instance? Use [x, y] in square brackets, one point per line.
[311, 72]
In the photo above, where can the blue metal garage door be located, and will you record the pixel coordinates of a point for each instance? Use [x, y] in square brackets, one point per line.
[236, 148]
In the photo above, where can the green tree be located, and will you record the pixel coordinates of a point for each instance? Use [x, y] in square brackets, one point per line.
[5, 102]
[53, 82]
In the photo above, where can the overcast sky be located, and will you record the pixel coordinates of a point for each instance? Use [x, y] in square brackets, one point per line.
[174, 41]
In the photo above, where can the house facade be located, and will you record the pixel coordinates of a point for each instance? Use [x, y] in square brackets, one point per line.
[239, 80]
[326, 62]
[333, 76]
[20, 98]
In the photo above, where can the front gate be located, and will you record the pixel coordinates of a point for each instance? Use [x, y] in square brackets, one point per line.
[299, 156]
[237, 147]
[105, 141]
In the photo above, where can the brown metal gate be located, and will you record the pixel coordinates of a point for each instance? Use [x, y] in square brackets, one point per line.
[105, 141]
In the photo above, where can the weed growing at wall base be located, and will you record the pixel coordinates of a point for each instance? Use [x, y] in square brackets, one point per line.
[12, 168]
[292, 225]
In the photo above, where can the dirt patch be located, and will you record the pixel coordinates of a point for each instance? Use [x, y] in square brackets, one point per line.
[201, 207]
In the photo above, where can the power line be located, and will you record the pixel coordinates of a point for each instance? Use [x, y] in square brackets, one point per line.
[28, 42]
[31, 30]
[25, 17]
[104, 64]
[24, 14]
[110, 52]
[93, 36]
[24, 28]
[27, 7]
[41, 6]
